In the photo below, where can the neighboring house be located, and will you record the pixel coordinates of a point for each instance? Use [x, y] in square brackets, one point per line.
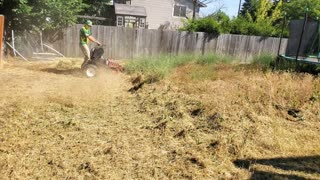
[154, 14]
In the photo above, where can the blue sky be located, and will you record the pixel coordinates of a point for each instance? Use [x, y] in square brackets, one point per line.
[228, 6]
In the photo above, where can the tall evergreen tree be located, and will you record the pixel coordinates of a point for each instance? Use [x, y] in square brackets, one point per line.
[263, 9]
[249, 6]
[277, 11]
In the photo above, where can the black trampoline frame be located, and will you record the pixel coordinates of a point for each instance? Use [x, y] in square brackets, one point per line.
[304, 59]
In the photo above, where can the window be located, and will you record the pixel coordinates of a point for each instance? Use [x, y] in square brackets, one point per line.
[119, 21]
[180, 11]
[142, 22]
[122, 1]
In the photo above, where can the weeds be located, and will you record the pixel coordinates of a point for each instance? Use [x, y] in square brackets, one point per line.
[264, 62]
[162, 65]
[214, 59]
[158, 65]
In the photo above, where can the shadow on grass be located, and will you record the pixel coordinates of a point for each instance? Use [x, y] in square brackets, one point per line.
[73, 72]
[257, 175]
[308, 165]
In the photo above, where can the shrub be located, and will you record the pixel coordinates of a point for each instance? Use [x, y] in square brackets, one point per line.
[207, 24]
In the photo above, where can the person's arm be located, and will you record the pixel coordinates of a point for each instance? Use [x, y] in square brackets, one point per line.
[91, 38]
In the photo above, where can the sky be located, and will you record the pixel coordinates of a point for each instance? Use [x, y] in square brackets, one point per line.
[228, 6]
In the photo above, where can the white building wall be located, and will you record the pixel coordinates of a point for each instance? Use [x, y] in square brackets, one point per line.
[159, 12]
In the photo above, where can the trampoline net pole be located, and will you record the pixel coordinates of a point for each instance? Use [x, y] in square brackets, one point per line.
[300, 41]
[318, 39]
[282, 31]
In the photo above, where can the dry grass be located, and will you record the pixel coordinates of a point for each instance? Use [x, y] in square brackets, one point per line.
[54, 123]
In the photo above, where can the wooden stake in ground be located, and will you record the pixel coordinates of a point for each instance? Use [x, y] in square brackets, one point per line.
[1, 37]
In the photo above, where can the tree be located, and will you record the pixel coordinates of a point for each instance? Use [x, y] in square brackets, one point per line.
[99, 8]
[223, 20]
[15, 11]
[249, 6]
[39, 14]
[207, 24]
[95, 7]
[296, 8]
[259, 17]
[263, 9]
[277, 13]
[51, 14]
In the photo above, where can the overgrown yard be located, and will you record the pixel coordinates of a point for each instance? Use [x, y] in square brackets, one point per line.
[193, 120]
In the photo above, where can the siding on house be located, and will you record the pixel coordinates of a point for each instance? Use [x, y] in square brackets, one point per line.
[159, 12]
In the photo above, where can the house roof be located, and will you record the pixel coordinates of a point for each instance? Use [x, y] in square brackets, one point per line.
[124, 9]
[201, 4]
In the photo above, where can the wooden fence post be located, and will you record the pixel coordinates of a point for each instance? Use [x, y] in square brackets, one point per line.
[1, 37]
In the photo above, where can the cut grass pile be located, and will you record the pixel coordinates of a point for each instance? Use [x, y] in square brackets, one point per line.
[230, 114]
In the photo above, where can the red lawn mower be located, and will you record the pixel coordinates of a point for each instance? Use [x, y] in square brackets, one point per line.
[98, 63]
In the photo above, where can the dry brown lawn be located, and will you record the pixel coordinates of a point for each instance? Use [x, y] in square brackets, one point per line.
[222, 122]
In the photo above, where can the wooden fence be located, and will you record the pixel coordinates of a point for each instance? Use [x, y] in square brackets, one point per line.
[127, 43]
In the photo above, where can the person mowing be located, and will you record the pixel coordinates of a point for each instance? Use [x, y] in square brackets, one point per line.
[85, 37]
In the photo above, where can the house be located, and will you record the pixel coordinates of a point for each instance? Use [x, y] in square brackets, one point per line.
[154, 14]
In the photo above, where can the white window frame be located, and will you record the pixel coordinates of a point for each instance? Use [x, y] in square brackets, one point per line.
[120, 18]
[142, 22]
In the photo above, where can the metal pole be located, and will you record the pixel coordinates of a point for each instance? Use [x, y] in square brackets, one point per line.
[318, 39]
[41, 41]
[17, 52]
[239, 7]
[194, 9]
[302, 33]
[281, 36]
[1, 37]
[283, 26]
[13, 45]
[54, 50]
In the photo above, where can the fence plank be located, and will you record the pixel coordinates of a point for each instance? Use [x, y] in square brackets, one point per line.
[126, 43]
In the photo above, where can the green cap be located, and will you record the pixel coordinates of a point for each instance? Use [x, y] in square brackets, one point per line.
[88, 22]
